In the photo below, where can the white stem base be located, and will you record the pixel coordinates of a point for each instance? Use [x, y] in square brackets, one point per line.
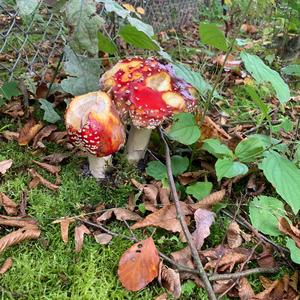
[98, 165]
[137, 143]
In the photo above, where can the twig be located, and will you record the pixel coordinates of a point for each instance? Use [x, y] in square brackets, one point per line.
[189, 238]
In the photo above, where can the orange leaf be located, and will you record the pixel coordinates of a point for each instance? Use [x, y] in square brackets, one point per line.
[290, 230]
[6, 265]
[140, 10]
[9, 205]
[233, 234]
[50, 168]
[139, 265]
[28, 132]
[128, 7]
[80, 231]
[42, 180]
[43, 133]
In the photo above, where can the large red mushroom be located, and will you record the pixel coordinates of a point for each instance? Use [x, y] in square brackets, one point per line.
[146, 92]
[93, 125]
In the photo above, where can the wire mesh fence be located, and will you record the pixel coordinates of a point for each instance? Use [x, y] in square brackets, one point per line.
[30, 44]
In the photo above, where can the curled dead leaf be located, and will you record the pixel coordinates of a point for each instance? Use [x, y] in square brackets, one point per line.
[121, 214]
[58, 137]
[13, 108]
[9, 205]
[10, 135]
[80, 231]
[17, 222]
[5, 165]
[28, 132]
[6, 265]
[56, 158]
[139, 265]
[103, 238]
[244, 289]
[233, 235]
[50, 168]
[190, 177]
[150, 193]
[266, 258]
[64, 228]
[43, 133]
[292, 231]
[210, 200]
[42, 180]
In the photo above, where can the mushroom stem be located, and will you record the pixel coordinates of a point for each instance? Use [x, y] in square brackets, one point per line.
[137, 143]
[98, 165]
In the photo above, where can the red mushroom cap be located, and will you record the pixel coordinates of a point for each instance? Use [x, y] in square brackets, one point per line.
[93, 124]
[148, 91]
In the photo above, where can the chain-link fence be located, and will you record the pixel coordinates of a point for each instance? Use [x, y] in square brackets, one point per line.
[30, 45]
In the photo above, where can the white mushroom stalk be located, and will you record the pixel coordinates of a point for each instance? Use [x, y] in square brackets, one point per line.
[99, 165]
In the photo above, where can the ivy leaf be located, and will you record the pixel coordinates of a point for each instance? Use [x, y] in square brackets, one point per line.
[199, 190]
[293, 70]
[84, 73]
[295, 251]
[264, 213]
[216, 148]
[184, 129]
[105, 44]
[228, 168]
[50, 115]
[137, 38]
[249, 149]
[211, 35]
[284, 176]
[262, 73]
[10, 89]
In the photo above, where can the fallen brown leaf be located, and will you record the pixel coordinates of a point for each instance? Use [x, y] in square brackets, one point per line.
[190, 177]
[10, 135]
[64, 228]
[5, 165]
[139, 265]
[28, 132]
[50, 168]
[17, 222]
[43, 133]
[42, 180]
[210, 200]
[103, 238]
[266, 258]
[204, 219]
[164, 196]
[9, 205]
[244, 289]
[290, 230]
[58, 137]
[80, 231]
[18, 236]
[14, 109]
[170, 280]
[131, 202]
[56, 158]
[233, 235]
[163, 296]
[34, 183]
[121, 214]
[150, 193]
[6, 265]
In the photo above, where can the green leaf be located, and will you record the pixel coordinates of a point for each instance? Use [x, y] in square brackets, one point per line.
[81, 14]
[105, 44]
[141, 26]
[262, 73]
[137, 38]
[10, 89]
[199, 190]
[50, 115]
[211, 35]
[284, 176]
[216, 148]
[184, 129]
[112, 6]
[83, 73]
[27, 7]
[249, 149]
[264, 213]
[228, 168]
[179, 164]
[268, 142]
[286, 124]
[293, 70]
[295, 251]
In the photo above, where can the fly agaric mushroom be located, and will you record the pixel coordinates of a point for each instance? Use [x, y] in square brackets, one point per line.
[93, 125]
[148, 92]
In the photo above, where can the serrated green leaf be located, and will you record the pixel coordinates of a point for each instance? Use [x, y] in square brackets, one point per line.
[216, 148]
[184, 129]
[284, 176]
[10, 89]
[293, 70]
[228, 168]
[211, 35]
[295, 251]
[262, 73]
[199, 190]
[249, 149]
[105, 44]
[137, 38]
[50, 115]
[264, 213]
[84, 73]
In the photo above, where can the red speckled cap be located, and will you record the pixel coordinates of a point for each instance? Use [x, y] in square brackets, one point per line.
[147, 91]
[93, 124]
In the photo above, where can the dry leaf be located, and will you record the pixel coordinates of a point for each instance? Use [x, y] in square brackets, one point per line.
[131, 202]
[164, 195]
[139, 265]
[14, 109]
[34, 183]
[150, 193]
[50, 168]
[5, 165]
[290, 230]
[10, 135]
[105, 216]
[17, 222]
[137, 184]
[128, 7]
[18, 236]
[28, 132]
[163, 296]
[80, 231]
[244, 289]
[9, 205]
[58, 137]
[43, 133]
[233, 235]
[56, 158]
[204, 219]
[170, 280]
[42, 180]
[121, 214]
[103, 238]
[266, 258]
[230, 64]
[210, 200]
[140, 10]
[190, 177]
[249, 28]
[64, 228]
[6, 265]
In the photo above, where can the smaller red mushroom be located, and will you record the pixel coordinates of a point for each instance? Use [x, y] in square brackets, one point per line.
[93, 125]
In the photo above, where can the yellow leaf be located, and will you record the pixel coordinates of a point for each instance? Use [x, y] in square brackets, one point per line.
[129, 7]
[228, 2]
[140, 10]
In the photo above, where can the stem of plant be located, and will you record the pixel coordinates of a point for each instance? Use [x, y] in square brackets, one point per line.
[189, 238]
[211, 95]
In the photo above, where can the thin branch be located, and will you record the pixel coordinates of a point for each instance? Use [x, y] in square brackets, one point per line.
[180, 216]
